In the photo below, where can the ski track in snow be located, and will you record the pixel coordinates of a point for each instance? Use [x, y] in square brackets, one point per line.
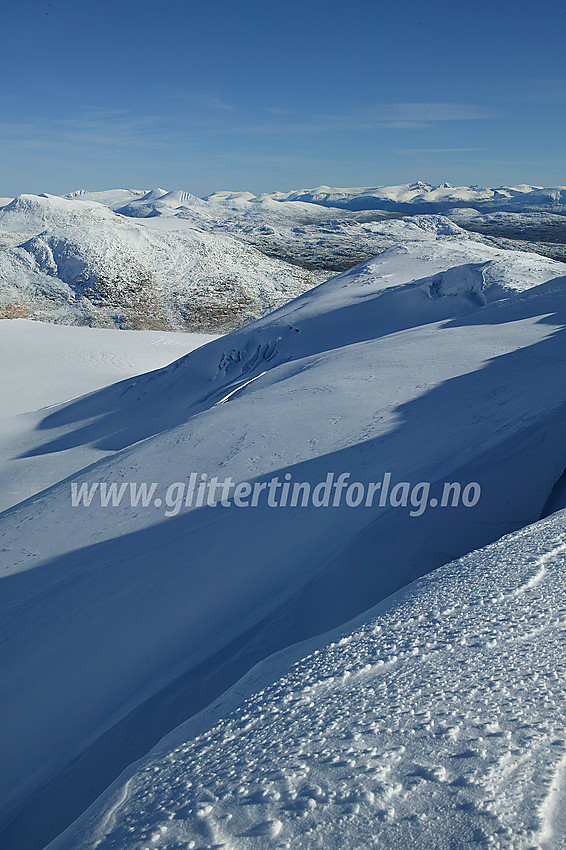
[553, 809]
[439, 723]
[238, 388]
[112, 814]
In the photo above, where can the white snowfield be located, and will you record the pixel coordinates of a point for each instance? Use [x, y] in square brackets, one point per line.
[78, 262]
[44, 365]
[439, 360]
[434, 721]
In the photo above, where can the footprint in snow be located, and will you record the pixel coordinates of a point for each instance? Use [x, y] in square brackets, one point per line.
[266, 829]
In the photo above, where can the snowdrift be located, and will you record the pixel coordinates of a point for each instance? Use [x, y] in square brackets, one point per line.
[145, 619]
[435, 720]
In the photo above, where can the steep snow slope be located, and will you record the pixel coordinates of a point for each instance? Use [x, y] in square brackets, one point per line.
[434, 721]
[110, 197]
[44, 365]
[370, 373]
[77, 262]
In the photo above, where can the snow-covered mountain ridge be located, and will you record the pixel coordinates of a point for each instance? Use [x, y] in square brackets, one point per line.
[398, 198]
[169, 260]
[77, 262]
[416, 195]
[434, 361]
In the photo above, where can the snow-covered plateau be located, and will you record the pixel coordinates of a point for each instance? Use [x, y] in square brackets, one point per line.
[296, 676]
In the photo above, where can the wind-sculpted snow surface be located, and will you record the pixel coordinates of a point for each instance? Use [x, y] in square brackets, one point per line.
[77, 262]
[435, 721]
[432, 362]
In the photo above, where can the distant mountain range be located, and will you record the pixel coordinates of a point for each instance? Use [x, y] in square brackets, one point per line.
[411, 197]
[158, 259]
[523, 217]
[405, 197]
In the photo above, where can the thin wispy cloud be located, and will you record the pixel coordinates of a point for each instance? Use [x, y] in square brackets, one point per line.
[276, 110]
[120, 128]
[413, 151]
[91, 128]
[394, 116]
[177, 84]
[433, 112]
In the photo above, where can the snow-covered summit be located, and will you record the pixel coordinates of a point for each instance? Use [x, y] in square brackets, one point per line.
[34, 213]
[109, 197]
[400, 367]
[77, 261]
[230, 196]
[153, 194]
[420, 195]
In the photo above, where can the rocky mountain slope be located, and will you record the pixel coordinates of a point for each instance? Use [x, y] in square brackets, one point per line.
[78, 262]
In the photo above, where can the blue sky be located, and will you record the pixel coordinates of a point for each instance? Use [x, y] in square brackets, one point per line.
[264, 96]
